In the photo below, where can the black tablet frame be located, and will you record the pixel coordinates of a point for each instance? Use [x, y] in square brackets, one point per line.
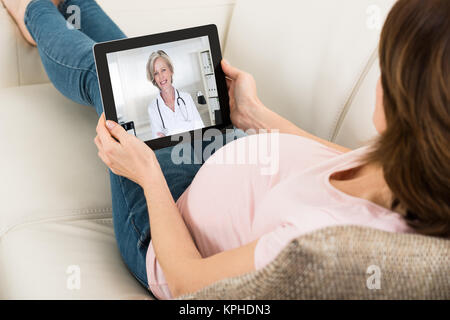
[103, 48]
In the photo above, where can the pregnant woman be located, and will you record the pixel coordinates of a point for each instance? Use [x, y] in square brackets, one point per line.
[216, 221]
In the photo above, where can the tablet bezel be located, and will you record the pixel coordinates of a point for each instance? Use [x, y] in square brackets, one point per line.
[103, 48]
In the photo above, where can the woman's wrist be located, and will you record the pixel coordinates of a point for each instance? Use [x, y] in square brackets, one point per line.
[256, 116]
[151, 174]
[248, 116]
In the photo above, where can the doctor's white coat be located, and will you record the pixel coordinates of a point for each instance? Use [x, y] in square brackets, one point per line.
[181, 120]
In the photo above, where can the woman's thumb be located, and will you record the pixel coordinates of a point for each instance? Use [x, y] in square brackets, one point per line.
[116, 130]
[229, 70]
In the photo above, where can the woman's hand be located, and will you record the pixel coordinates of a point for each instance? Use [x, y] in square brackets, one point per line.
[245, 107]
[129, 157]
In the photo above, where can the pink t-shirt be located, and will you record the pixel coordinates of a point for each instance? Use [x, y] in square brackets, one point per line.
[275, 198]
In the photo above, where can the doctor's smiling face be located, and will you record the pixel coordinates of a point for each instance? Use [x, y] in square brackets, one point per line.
[162, 74]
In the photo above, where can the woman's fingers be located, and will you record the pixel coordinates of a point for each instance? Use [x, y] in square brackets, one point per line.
[117, 131]
[98, 143]
[106, 161]
[100, 153]
[229, 70]
[229, 83]
[101, 156]
[105, 137]
[101, 122]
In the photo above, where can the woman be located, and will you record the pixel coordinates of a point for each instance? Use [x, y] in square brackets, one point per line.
[399, 184]
[172, 111]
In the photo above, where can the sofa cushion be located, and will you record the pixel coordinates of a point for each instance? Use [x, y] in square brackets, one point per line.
[346, 262]
[49, 161]
[310, 59]
[65, 258]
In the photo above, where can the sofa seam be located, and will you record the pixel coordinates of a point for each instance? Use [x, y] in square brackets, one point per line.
[19, 77]
[87, 215]
[227, 31]
[339, 119]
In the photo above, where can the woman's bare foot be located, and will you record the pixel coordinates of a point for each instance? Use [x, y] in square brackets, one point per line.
[16, 9]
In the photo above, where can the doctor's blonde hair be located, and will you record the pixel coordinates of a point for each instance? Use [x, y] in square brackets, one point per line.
[151, 64]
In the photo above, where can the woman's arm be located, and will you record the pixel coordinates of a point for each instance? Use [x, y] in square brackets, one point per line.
[184, 268]
[248, 112]
[270, 120]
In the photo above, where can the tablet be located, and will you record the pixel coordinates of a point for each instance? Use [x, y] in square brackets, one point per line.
[164, 87]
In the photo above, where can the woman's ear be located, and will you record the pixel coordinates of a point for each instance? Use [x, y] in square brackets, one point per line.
[379, 119]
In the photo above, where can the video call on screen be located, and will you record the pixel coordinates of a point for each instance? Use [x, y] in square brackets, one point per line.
[165, 89]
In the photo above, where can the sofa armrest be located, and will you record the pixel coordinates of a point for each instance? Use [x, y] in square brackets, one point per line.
[337, 263]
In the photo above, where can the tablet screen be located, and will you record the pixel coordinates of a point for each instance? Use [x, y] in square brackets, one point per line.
[164, 89]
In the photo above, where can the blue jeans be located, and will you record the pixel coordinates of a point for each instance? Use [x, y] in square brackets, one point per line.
[69, 62]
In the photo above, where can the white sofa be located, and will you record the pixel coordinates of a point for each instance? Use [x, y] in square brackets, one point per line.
[315, 63]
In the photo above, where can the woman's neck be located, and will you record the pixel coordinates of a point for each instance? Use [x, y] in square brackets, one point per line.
[366, 182]
[168, 96]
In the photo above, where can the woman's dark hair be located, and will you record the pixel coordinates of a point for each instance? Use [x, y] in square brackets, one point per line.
[414, 150]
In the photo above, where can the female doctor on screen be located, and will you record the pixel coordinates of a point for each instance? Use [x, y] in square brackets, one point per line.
[172, 111]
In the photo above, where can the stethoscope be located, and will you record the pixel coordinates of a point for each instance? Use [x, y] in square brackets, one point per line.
[186, 118]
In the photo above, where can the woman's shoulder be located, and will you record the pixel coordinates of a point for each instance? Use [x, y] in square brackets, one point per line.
[185, 94]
